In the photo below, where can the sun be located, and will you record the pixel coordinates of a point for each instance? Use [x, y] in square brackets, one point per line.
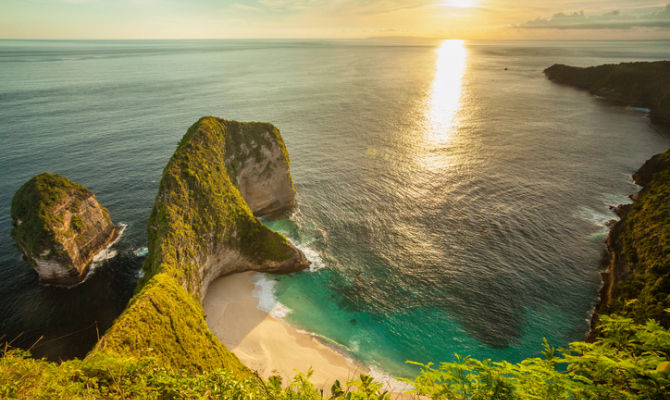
[460, 3]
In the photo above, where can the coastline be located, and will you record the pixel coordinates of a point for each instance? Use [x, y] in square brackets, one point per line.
[269, 345]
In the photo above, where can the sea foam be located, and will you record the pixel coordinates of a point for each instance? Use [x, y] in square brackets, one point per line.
[265, 293]
[313, 257]
[390, 383]
[108, 252]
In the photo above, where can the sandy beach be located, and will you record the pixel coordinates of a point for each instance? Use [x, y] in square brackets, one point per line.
[266, 344]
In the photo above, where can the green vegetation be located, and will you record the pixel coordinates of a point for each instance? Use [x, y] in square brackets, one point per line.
[198, 210]
[642, 239]
[165, 322]
[198, 207]
[160, 347]
[35, 216]
[628, 361]
[639, 84]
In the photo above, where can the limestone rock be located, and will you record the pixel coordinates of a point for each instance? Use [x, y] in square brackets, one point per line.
[60, 227]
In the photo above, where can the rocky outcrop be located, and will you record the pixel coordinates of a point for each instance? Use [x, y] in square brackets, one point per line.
[60, 227]
[636, 283]
[637, 84]
[203, 226]
[258, 165]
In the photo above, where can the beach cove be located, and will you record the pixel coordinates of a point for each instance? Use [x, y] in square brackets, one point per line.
[266, 344]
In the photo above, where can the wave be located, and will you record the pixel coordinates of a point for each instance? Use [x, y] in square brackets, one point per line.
[313, 256]
[265, 293]
[595, 217]
[390, 383]
[108, 252]
[141, 252]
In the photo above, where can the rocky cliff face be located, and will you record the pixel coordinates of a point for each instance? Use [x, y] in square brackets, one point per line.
[257, 162]
[203, 226]
[637, 281]
[60, 227]
[638, 84]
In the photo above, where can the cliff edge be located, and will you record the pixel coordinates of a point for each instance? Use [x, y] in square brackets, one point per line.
[636, 84]
[202, 227]
[637, 281]
[60, 227]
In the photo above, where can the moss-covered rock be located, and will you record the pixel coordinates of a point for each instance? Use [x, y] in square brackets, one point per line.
[201, 228]
[60, 227]
[638, 84]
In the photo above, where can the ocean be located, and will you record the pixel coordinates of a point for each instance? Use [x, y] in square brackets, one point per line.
[451, 198]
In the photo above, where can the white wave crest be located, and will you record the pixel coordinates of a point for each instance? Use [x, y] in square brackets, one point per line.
[313, 257]
[267, 301]
[595, 217]
[391, 384]
[108, 252]
[141, 252]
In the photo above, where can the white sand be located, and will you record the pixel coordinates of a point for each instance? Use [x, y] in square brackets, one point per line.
[266, 344]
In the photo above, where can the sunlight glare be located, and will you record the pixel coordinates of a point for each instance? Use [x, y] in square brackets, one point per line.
[446, 89]
[461, 3]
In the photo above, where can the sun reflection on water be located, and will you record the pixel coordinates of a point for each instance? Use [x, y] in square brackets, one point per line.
[445, 97]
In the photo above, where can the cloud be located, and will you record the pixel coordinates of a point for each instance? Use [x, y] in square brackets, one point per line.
[658, 18]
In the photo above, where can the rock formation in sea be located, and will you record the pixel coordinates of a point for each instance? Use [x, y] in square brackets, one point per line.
[636, 84]
[203, 226]
[637, 281]
[60, 227]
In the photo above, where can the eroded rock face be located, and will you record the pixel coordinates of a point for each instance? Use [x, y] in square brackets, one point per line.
[222, 175]
[636, 283]
[261, 172]
[204, 225]
[60, 227]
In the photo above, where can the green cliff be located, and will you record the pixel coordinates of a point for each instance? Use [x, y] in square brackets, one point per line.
[60, 227]
[161, 348]
[637, 281]
[202, 228]
[637, 84]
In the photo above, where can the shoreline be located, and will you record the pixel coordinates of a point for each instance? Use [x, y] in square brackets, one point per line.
[269, 345]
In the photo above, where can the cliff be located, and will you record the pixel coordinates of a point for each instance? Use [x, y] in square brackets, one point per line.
[637, 280]
[637, 84]
[60, 227]
[202, 227]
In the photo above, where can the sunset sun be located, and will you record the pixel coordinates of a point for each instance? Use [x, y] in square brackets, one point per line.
[461, 3]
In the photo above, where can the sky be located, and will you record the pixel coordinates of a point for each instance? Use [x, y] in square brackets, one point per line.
[444, 19]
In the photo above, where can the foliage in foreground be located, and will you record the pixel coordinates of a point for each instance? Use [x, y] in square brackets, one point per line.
[627, 361]
[113, 377]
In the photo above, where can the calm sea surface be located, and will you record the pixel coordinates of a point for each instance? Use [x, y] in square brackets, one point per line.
[452, 198]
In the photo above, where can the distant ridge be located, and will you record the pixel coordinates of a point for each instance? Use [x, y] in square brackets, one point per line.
[636, 84]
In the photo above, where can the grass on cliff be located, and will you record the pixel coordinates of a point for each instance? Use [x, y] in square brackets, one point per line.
[628, 361]
[198, 207]
[197, 210]
[164, 322]
[35, 205]
[645, 292]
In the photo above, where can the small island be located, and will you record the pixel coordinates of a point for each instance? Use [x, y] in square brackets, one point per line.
[60, 227]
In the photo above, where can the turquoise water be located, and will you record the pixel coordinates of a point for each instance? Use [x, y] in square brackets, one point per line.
[454, 206]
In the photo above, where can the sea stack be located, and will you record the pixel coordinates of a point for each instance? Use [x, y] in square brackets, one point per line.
[60, 227]
[204, 225]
